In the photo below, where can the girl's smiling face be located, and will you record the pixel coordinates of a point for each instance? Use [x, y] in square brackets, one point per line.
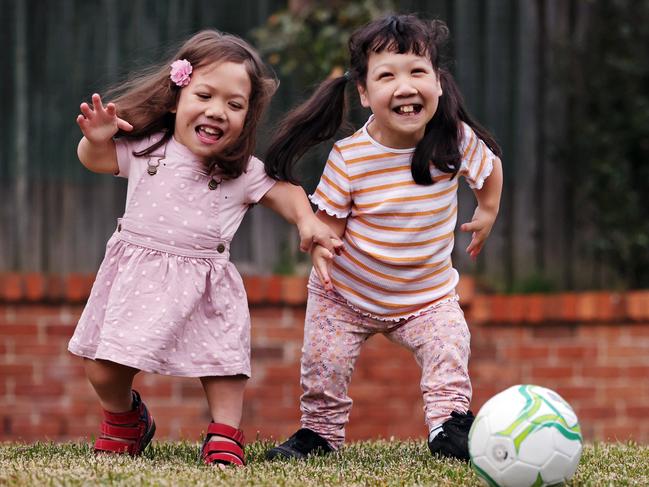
[212, 109]
[403, 91]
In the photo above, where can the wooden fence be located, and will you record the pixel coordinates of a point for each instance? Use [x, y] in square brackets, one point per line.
[55, 216]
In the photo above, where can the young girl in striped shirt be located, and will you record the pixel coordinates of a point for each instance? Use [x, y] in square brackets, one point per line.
[390, 192]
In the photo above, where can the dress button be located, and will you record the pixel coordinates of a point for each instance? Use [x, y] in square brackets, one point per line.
[220, 248]
[212, 184]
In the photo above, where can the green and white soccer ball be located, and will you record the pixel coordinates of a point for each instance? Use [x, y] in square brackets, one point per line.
[525, 436]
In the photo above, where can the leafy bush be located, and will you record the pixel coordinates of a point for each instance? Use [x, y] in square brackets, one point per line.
[311, 43]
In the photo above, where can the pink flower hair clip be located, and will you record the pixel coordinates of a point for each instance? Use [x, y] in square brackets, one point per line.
[180, 72]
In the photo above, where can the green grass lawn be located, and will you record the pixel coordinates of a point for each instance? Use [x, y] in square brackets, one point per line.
[380, 463]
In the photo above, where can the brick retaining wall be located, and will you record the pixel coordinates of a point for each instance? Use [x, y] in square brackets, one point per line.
[593, 348]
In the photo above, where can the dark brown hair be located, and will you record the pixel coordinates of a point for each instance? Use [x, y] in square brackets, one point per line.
[318, 118]
[147, 98]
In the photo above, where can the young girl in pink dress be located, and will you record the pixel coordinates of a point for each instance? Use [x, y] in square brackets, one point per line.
[390, 192]
[166, 298]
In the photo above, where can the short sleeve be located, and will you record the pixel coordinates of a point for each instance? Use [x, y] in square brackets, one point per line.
[126, 161]
[124, 148]
[477, 158]
[258, 183]
[333, 194]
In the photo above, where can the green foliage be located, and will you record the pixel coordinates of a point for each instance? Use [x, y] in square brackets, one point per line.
[286, 260]
[312, 43]
[608, 147]
[533, 283]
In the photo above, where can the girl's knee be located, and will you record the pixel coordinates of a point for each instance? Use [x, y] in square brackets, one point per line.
[105, 373]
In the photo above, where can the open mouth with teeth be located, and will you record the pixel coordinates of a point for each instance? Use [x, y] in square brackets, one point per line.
[413, 109]
[209, 134]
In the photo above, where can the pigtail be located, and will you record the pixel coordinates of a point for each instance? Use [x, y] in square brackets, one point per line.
[441, 141]
[314, 121]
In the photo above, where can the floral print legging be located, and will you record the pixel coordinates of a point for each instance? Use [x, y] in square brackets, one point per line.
[333, 335]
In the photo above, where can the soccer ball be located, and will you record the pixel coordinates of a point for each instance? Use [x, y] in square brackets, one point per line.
[525, 436]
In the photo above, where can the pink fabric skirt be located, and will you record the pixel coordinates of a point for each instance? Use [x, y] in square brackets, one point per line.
[166, 313]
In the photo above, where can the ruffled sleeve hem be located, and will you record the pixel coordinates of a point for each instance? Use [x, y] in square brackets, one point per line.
[322, 205]
[479, 182]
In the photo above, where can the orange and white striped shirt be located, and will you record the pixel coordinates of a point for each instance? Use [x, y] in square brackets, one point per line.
[399, 235]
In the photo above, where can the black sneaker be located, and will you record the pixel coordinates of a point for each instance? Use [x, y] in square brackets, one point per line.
[303, 442]
[453, 440]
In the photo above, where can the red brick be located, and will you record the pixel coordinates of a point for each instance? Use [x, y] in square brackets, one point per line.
[500, 308]
[59, 330]
[78, 286]
[554, 373]
[534, 308]
[496, 373]
[54, 287]
[65, 370]
[279, 334]
[47, 390]
[283, 413]
[516, 308]
[485, 350]
[573, 392]
[637, 411]
[637, 305]
[11, 286]
[255, 288]
[633, 372]
[191, 388]
[619, 393]
[610, 306]
[554, 332]
[570, 353]
[19, 372]
[594, 412]
[394, 374]
[162, 389]
[600, 372]
[270, 352]
[516, 352]
[480, 310]
[34, 350]
[636, 353]
[552, 307]
[587, 306]
[569, 306]
[34, 286]
[34, 313]
[274, 289]
[281, 374]
[633, 331]
[294, 289]
[27, 330]
[267, 314]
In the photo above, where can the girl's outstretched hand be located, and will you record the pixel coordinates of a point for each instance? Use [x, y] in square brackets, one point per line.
[317, 232]
[322, 259]
[481, 224]
[98, 123]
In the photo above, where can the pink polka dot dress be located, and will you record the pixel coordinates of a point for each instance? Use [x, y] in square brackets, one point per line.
[166, 298]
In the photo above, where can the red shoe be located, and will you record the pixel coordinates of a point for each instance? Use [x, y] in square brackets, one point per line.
[128, 432]
[223, 452]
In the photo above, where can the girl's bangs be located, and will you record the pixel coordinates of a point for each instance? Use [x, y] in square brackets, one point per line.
[400, 45]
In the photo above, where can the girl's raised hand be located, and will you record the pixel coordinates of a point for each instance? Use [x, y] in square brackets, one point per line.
[322, 259]
[98, 123]
[480, 225]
